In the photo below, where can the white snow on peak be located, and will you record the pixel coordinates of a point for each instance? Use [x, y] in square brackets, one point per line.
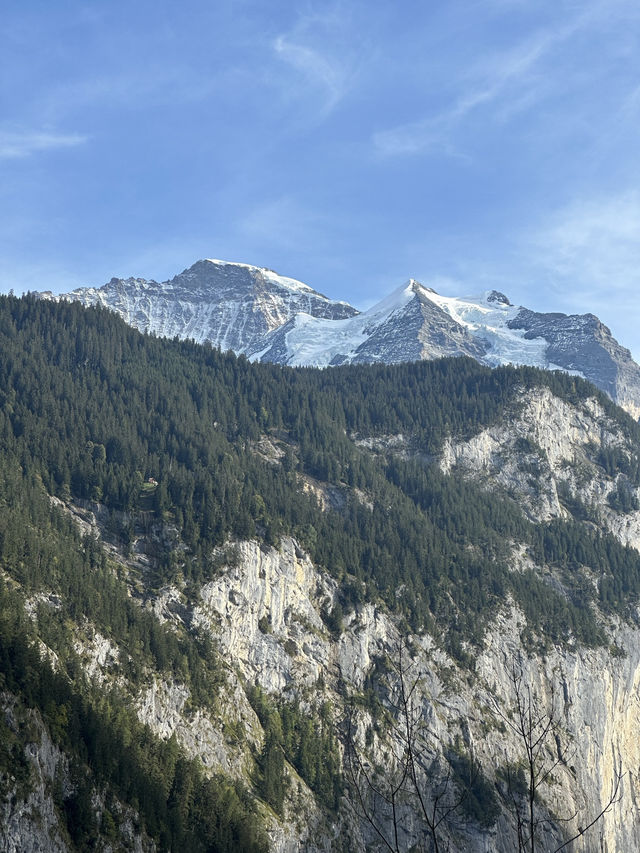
[315, 342]
[304, 339]
[242, 307]
[487, 318]
[397, 299]
[269, 275]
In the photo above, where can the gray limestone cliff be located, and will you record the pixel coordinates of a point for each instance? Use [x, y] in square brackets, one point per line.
[266, 610]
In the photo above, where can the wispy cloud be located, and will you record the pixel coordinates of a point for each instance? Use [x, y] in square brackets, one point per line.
[506, 83]
[320, 55]
[588, 257]
[317, 69]
[15, 144]
[594, 242]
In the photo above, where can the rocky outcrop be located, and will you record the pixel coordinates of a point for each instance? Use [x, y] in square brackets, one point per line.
[31, 805]
[547, 455]
[266, 615]
[266, 611]
[581, 343]
[29, 820]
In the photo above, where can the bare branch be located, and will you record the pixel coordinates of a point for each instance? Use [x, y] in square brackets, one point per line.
[613, 799]
[414, 780]
[537, 728]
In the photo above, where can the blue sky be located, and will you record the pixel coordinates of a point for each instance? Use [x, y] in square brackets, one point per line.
[471, 145]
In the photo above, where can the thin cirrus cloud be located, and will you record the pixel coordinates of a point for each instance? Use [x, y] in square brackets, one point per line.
[317, 70]
[594, 241]
[15, 145]
[153, 85]
[508, 84]
[320, 58]
[589, 255]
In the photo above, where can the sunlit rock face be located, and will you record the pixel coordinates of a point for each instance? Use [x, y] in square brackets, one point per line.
[228, 305]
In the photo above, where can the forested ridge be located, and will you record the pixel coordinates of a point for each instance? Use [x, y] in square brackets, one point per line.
[170, 432]
[95, 409]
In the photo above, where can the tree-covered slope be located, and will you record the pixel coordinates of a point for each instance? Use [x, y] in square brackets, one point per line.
[95, 410]
[186, 450]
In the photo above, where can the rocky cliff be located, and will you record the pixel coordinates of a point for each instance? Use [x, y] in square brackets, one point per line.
[267, 610]
[266, 615]
[405, 564]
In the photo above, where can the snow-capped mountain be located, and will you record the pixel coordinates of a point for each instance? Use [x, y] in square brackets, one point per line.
[406, 326]
[269, 317]
[415, 323]
[230, 305]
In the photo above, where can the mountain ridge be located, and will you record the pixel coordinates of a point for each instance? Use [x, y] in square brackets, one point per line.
[256, 312]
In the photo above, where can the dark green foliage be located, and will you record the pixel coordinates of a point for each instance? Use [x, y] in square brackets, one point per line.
[93, 410]
[78, 812]
[333, 619]
[15, 772]
[308, 743]
[573, 504]
[617, 567]
[42, 549]
[477, 795]
[615, 461]
[623, 498]
[272, 781]
[178, 807]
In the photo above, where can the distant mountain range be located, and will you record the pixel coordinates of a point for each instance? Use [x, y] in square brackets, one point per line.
[269, 317]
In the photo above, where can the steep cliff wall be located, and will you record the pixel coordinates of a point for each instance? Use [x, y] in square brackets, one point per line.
[266, 615]
[548, 456]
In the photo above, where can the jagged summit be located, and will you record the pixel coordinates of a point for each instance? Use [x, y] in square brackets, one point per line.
[230, 305]
[270, 317]
[496, 296]
[209, 268]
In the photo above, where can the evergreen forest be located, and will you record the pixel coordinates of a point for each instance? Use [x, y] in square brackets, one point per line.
[156, 431]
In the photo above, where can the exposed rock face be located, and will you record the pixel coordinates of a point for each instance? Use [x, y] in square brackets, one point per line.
[164, 706]
[265, 614]
[269, 599]
[548, 457]
[30, 820]
[29, 824]
[595, 694]
[100, 657]
[228, 305]
[421, 330]
[582, 343]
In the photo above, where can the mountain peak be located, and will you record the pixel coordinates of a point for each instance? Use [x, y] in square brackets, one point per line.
[214, 267]
[497, 296]
[230, 305]
[268, 316]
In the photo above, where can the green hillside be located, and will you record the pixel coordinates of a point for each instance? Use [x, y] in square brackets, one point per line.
[169, 432]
